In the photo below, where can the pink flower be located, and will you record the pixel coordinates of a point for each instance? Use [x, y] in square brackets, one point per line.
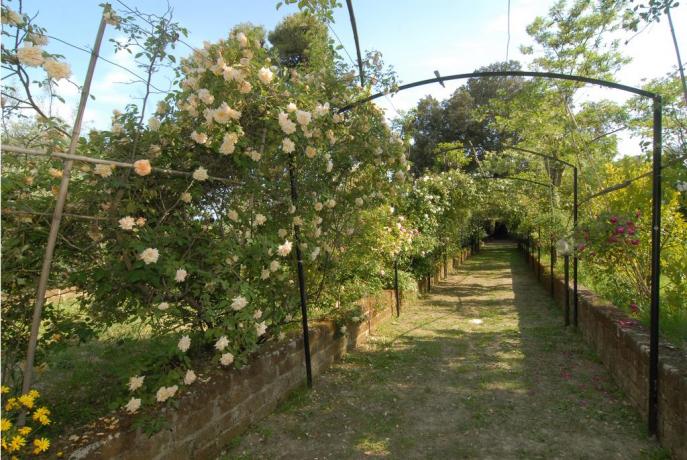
[581, 247]
[637, 214]
[614, 219]
[634, 242]
[620, 229]
[634, 308]
[612, 239]
[631, 230]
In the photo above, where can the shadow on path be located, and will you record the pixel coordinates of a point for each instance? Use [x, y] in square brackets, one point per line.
[481, 368]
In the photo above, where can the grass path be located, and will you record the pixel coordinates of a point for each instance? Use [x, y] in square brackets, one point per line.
[480, 368]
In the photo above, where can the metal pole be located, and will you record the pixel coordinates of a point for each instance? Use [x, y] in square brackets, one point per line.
[655, 266]
[566, 270]
[349, 3]
[575, 259]
[539, 253]
[301, 276]
[551, 250]
[398, 298]
[57, 218]
[445, 263]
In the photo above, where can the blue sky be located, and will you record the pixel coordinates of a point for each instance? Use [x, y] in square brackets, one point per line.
[416, 37]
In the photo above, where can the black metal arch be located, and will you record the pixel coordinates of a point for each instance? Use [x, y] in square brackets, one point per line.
[656, 193]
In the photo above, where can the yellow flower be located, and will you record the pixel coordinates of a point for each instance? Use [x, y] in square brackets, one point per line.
[41, 415]
[41, 445]
[4, 444]
[11, 404]
[25, 430]
[34, 394]
[27, 400]
[17, 443]
[4, 389]
[5, 424]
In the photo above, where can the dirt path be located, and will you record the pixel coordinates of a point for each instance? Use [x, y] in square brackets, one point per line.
[481, 368]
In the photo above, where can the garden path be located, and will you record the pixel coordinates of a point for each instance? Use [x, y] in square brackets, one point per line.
[479, 368]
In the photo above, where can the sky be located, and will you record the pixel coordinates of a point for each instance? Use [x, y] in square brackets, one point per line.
[415, 37]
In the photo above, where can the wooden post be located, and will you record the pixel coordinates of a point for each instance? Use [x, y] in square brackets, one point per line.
[57, 218]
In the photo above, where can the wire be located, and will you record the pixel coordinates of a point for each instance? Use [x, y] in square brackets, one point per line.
[85, 50]
[508, 41]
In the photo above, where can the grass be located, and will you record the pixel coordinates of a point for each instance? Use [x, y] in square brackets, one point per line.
[435, 385]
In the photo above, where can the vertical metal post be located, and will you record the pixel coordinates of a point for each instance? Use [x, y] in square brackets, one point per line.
[551, 251]
[396, 290]
[57, 218]
[445, 263]
[575, 259]
[566, 271]
[539, 253]
[301, 275]
[655, 266]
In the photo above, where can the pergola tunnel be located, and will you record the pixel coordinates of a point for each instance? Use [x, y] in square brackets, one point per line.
[259, 262]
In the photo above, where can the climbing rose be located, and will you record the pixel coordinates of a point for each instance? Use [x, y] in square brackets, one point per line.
[260, 329]
[200, 174]
[291, 107]
[13, 17]
[284, 249]
[318, 206]
[57, 70]
[321, 109]
[141, 221]
[242, 39]
[260, 219]
[265, 75]
[163, 306]
[103, 170]
[200, 138]
[245, 87]
[223, 114]
[184, 343]
[126, 223]
[164, 393]
[229, 143]
[358, 201]
[331, 203]
[31, 56]
[286, 125]
[238, 303]
[274, 265]
[233, 215]
[190, 377]
[56, 173]
[180, 275]
[136, 382]
[287, 145]
[282, 232]
[257, 314]
[222, 343]
[186, 197]
[133, 405]
[153, 124]
[264, 274]
[149, 256]
[205, 96]
[226, 359]
[315, 253]
[310, 152]
[142, 167]
[303, 118]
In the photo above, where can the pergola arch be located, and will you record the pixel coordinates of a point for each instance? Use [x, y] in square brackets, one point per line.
[656, 192]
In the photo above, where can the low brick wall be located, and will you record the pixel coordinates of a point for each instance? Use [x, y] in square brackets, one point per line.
[214, 412]
[440, 269]
[622, 344]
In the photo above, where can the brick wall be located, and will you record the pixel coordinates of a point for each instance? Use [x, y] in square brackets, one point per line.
[623, 347]
[208, 417]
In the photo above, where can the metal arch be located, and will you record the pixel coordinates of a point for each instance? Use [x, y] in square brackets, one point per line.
[505, 73]
[655, 201]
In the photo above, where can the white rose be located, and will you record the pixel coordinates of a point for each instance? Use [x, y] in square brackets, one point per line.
[149, 255]
[200, 174]
[180, 275]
